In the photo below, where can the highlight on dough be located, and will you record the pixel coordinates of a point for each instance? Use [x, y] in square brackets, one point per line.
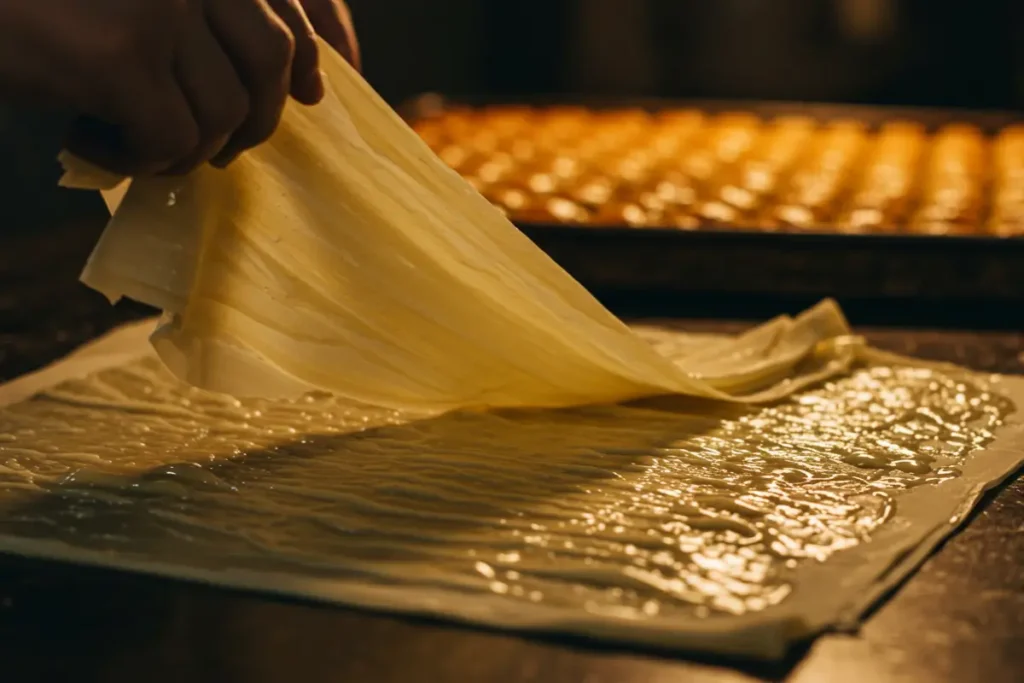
[344, 256]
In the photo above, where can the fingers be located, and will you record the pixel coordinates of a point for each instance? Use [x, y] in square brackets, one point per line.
[207, 79]
[307, 83]
[218, 100]
[261, 48]
[156, 129]
[333, 22]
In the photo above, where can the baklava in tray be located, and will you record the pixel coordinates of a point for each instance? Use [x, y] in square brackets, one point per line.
[804, 199]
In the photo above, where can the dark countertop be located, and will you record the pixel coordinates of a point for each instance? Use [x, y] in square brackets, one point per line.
[960, 618]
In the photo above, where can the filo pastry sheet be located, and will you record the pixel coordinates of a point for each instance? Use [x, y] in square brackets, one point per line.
[677, 523]
[344, 256]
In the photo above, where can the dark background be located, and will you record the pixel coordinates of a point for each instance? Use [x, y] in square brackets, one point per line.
[920, 52]
[959, 619]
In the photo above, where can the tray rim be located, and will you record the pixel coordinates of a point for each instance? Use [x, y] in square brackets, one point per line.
[804, 239]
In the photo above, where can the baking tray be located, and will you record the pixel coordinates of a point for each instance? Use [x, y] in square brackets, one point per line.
[948, 275]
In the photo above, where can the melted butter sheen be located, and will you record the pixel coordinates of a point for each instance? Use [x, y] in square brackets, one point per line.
[658, 509]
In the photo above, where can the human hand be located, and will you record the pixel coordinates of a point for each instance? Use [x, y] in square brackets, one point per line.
[333, 22]
[165, 85]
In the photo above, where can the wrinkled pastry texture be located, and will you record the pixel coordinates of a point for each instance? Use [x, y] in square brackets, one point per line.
[344, 256]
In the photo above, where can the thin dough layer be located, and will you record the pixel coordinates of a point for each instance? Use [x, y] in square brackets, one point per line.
[669, 524]
[344, 256]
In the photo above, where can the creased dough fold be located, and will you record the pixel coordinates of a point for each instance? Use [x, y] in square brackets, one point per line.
[344, 256]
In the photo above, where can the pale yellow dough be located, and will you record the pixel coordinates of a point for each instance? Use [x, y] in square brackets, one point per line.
[344, 256]
[733, 530]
